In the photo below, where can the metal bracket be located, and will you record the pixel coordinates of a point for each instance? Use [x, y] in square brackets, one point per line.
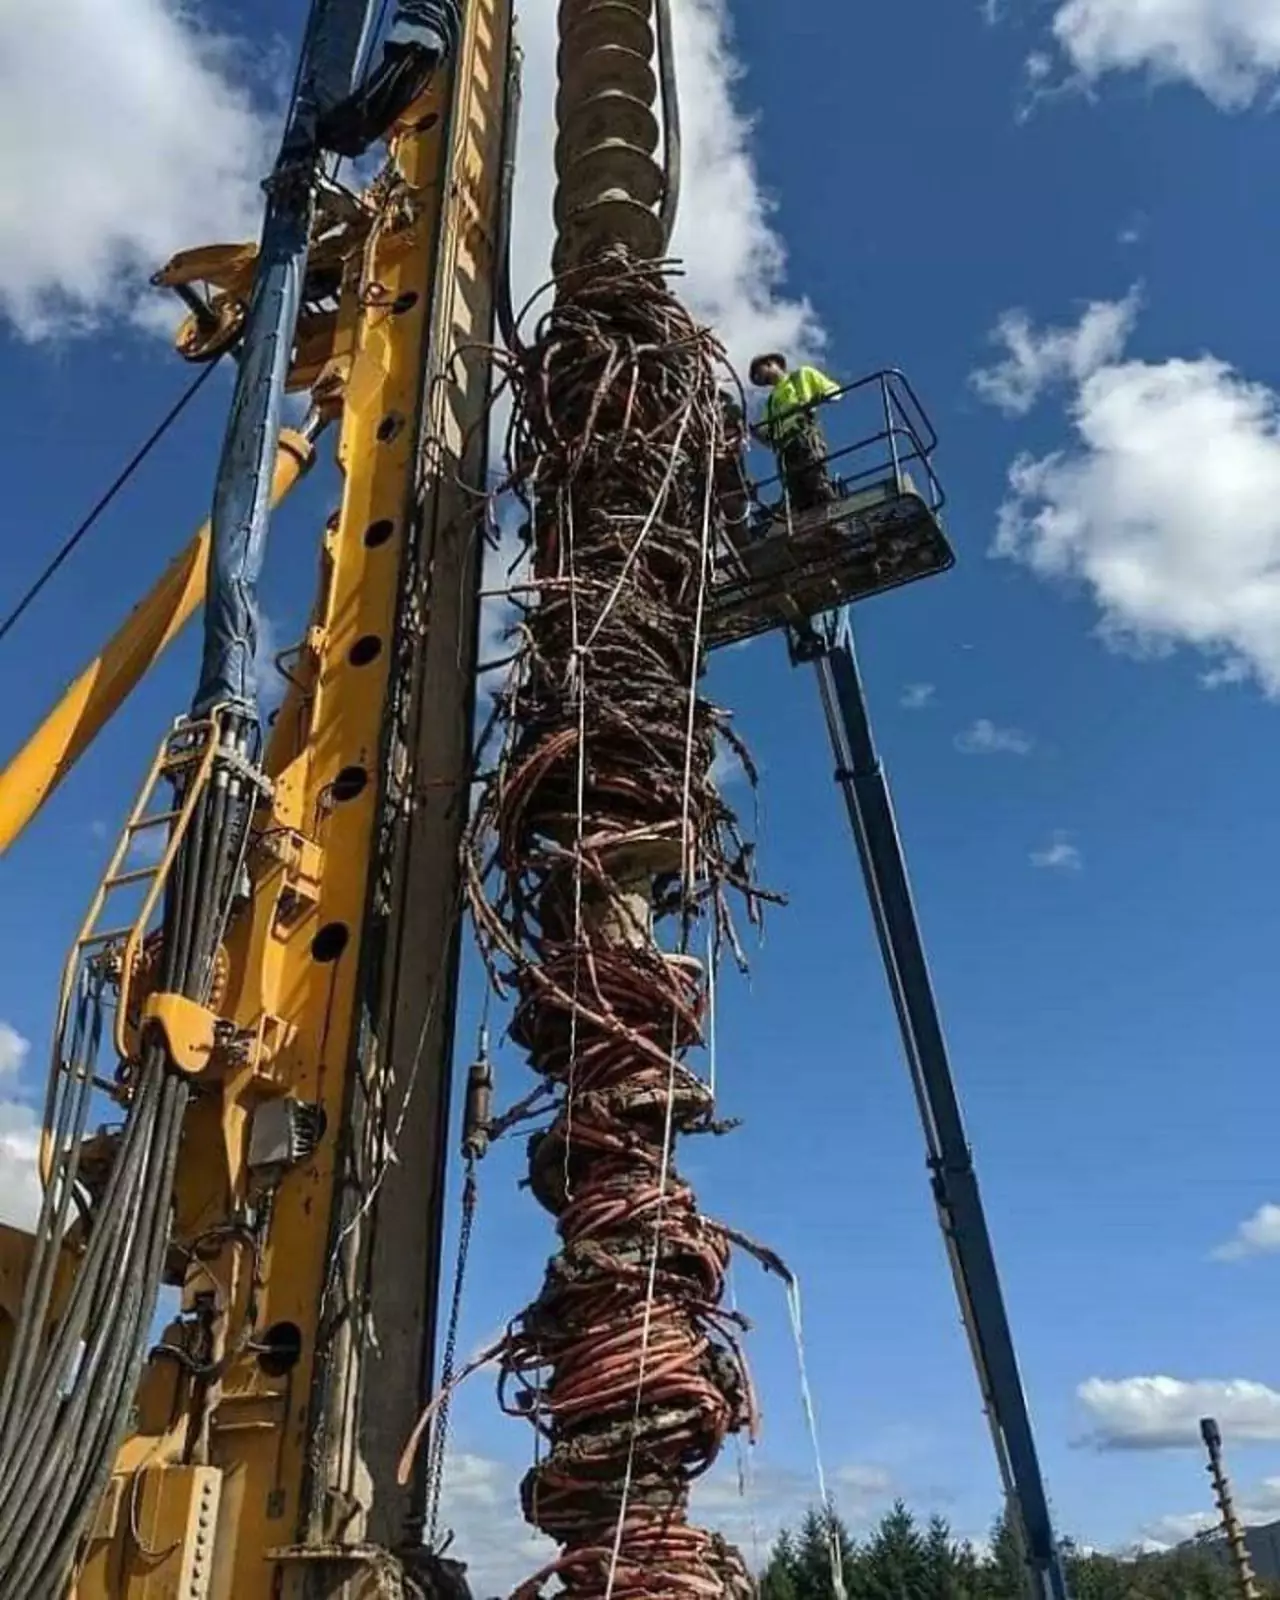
[190, 1031]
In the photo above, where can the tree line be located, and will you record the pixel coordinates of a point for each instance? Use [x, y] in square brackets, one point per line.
[905, 1560]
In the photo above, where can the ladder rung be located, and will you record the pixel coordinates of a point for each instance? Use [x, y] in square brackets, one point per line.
[136, 875]
[107, 936]
[153, 821]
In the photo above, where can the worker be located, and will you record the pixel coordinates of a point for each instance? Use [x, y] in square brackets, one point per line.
[791, 429]
[732, 485]
[423, 35]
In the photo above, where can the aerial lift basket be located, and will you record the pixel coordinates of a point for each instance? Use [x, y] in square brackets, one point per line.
[882, 528]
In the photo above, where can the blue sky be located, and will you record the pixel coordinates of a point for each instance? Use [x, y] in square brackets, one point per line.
[1079, 721]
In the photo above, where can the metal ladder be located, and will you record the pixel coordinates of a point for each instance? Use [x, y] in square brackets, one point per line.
[186, 759]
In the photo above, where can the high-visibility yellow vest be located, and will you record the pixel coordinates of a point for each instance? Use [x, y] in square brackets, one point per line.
[782, 413]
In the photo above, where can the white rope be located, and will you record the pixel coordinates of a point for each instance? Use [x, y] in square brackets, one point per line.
[835, 1554]
[649, 521]
[746, 1451]
[578, 672]
[668, 1123]
[711, 1010]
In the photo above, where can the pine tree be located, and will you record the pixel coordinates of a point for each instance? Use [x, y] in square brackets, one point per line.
[951, 1570]
[779, 1579]
[819, 1531]
[1006, 1577]
[895, 1565]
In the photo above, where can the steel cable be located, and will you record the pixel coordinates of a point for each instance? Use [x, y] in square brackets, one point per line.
[107, 496]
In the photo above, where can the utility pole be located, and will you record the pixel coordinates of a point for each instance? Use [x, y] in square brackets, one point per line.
[1246, 1583]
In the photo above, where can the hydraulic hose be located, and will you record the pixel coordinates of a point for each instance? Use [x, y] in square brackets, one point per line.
[672, 154]
[65, 1404]
[506, 194]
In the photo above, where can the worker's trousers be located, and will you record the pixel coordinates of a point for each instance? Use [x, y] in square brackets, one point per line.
[802, 458]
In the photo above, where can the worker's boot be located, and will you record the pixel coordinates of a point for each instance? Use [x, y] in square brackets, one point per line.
[351, 126]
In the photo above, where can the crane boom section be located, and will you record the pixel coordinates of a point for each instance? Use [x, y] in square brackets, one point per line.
[260, 1464]
[955, 1185]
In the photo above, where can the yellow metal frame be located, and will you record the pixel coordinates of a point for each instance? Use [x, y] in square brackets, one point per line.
[295, 955]
[97, 693]
[197, 749]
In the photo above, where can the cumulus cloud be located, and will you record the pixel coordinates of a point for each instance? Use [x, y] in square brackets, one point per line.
[1059, 855]
[181, 139]
[749, 1504]
[1162, 1413]
[13, 1050]
[480, 1504]
[1227, 49]
[1165, 507]
[1257, 1235]
[1164, 1532]
[986, 738]
[19, 1148]
[127, 131]
[734, 261]
[19, 1138]
[916, 696]
[1034, 359]
[1259, 1503]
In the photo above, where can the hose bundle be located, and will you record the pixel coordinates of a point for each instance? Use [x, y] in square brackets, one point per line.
[74, 1367]
[600, 829]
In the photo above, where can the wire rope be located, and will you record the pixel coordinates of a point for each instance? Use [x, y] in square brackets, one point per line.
[87, 522]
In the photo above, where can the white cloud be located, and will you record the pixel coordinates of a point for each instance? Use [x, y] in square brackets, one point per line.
[734, 261]
[13, 1050]
[1165, 1532]
[985, 738]
[1167, 508]
[1034, 360]
[1228, 49]
[480, 1503]
[126, 133]
[1059, 855]
[180, 143]
[19, 1139]
[1260, 1503]
[1257, 1235]
[19, 1181]
[916, 696]
[750, 1502]
[1161, 1413]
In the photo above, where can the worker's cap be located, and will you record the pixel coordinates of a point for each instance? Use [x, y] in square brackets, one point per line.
[756, 369]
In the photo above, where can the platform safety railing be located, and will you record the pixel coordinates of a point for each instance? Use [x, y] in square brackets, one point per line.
[900, 435]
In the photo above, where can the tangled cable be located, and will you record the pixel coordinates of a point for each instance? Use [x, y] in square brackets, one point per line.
[599, 827]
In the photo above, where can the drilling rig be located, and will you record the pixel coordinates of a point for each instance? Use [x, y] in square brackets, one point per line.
[249, 1095]
[1232, 1528]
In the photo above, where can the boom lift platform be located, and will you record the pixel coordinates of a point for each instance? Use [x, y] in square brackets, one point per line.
[881, 529]
[802, 575]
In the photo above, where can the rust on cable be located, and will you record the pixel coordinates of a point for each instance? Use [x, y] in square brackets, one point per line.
[599, 855]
